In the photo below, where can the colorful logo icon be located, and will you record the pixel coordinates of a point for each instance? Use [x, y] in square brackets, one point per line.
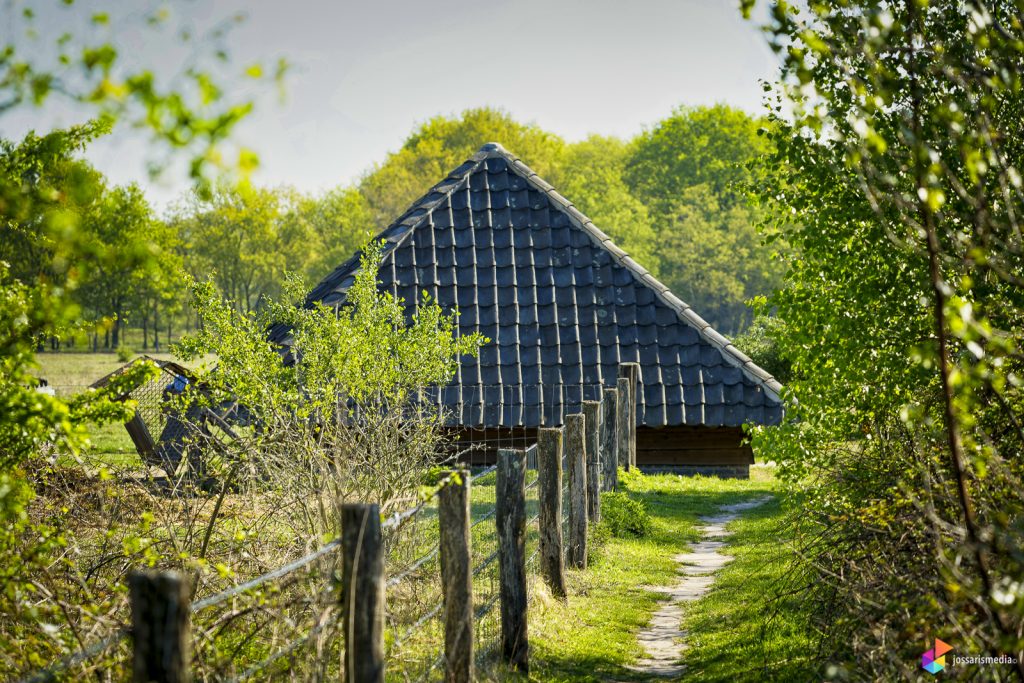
[934, 660]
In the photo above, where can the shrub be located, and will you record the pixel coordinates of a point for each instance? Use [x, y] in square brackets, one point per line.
[624, 517]
[124, 354]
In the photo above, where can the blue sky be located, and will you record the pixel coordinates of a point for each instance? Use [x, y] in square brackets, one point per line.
[366, 73]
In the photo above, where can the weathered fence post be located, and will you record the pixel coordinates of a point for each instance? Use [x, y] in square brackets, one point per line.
[362, 592]
[549, 472]
[510, 517]
[576, 455]
[609, 444]
[456, 578]
[631, 371]
[161, 609]
[592, 411]
[622, 423]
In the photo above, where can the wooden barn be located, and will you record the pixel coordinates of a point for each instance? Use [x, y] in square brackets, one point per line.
[563, 307]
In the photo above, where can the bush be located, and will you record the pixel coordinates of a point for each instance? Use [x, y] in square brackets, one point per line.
[124, 354]
[628, 479]
[623, 517]
[760, 342]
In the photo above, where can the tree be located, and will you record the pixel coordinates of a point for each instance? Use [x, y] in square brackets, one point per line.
[345, 418]
[120, 232]
[245, 238]
[441, 144]
[899, 195]
[694, 171]
[44, 191]
[591, 176]
[340, 220]
[714, 259]
[42, 188]
[714, 146]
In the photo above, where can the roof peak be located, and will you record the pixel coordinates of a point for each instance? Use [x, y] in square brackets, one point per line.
[442, 194]
[493, 149]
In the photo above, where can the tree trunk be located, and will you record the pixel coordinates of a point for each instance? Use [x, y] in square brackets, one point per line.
[156, 326]
[116, 336]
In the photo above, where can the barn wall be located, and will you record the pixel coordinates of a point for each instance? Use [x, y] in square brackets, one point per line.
[694, 450]
[687, 450]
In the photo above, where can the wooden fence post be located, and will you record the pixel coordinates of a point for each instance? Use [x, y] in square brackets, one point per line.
[575, 450]
[609, 443]
[622, 423]
[456, 578]
[161, 610]
[549, 472]
[510, 518]
[592, 411]
[631, 371]
[363, 592]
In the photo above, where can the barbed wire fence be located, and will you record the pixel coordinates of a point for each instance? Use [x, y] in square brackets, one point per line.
[307, 591]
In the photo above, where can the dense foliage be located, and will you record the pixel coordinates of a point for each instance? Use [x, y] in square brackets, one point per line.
[58, 257]
[898, 137]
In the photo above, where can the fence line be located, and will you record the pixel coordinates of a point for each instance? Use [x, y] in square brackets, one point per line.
[391, 524]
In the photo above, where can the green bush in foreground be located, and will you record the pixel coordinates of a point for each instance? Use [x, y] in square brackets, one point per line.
[623, 517]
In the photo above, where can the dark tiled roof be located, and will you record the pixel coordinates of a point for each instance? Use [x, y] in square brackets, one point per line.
[561, 303]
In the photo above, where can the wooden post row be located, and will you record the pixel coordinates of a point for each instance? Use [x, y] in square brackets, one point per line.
[575, 449]
[510, 518]
[631, 371]
[549, 472]
[609, 444]
[592, 413]
[456, 578]
[362, 592]
[161, 609]
[622, 422]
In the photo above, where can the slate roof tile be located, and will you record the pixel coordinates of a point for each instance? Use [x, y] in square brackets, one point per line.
[562, 304]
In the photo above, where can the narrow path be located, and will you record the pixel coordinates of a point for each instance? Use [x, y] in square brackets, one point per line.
[661, 639]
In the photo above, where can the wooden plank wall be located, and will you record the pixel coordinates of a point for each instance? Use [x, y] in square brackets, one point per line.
[479, 446]
[661, 446]
[667, 446]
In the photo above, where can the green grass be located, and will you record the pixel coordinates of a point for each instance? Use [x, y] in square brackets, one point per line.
[750, 626]
[592, 636]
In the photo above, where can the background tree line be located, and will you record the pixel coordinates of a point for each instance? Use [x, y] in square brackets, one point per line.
[675, 197]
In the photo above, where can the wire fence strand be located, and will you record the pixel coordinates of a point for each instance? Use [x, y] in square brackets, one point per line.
[218, 598]
[75, 658]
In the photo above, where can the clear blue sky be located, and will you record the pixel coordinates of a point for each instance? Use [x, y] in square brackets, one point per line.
[366, 73]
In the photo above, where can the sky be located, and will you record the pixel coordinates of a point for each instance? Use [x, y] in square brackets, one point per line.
[365, 74]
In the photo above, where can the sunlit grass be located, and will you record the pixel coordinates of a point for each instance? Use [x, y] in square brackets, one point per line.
[592, 636]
